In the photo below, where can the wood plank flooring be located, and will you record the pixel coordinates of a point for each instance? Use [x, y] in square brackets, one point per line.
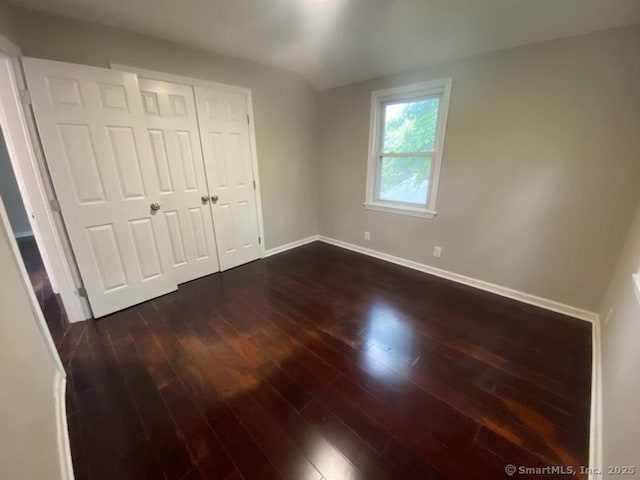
[50, 303]
[322, 363]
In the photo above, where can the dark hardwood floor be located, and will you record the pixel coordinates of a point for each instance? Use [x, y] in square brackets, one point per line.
[50, 303]
[322, 363]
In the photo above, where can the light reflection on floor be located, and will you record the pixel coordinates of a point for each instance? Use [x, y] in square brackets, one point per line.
[389, 342]
[331, 462]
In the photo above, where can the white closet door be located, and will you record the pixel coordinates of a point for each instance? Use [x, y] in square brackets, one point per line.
[224, 129]
[95, 140]
[175, 143]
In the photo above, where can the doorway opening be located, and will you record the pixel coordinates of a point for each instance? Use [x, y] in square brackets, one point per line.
[48, 300]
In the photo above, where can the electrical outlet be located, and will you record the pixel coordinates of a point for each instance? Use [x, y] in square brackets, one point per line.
[437, 252]
[609, 315]
[367, 236]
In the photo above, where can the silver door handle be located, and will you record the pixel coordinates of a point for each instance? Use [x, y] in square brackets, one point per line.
[155, 206]
[205, 198]
[214, 198]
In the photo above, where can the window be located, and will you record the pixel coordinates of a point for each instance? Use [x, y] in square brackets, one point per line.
[405, 152]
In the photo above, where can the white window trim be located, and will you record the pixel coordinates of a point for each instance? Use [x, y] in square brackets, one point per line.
[432, 87]
[636, 282]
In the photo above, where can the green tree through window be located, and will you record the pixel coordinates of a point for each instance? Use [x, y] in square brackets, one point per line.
[409, 128]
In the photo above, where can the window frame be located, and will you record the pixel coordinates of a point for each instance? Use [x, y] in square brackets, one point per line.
[379, 98]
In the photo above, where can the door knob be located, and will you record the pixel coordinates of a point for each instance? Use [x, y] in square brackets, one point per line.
[214, 198]
[205, 198]
[155, 206]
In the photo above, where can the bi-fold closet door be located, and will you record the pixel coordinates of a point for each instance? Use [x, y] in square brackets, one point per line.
[183, 198]
[224, 127]
[135, 164]
[201, 145]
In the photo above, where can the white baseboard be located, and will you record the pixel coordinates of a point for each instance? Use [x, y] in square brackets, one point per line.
[472, 282]
[595, 421]
[595, 444]
[289, 246]
[64, 449]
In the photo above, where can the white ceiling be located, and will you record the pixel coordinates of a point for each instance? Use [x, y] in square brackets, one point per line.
[335, 42]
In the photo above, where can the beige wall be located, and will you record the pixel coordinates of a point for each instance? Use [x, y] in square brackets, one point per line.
[283, 106]
[621, 359]
[540, 172]
[7, 23]
[28, 442]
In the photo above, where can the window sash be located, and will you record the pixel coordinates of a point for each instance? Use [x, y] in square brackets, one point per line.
[409, 98]
[440, 88]
[381, 153]
[378, 180]
[428, 153]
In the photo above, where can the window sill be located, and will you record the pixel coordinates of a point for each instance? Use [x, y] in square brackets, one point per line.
[411, 211]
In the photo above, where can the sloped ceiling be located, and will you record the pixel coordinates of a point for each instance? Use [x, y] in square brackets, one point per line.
[335, 42]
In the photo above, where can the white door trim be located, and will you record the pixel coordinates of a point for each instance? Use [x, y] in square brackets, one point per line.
[59, 379]
[170, 77]
[21, 139]
[35, 306]
[595, 421]
[64, 446]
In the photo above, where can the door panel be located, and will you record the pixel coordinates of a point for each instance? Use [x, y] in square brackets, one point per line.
[175, 142]
[187, 161]
[175, 232]
[106, 252]
[199, 234]
[92, 127]
[224, 127]
[81, 163]
[123, 147]
[159, 149]
[147, 253]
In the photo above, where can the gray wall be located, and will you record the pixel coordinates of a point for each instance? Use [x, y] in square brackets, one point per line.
[283, 106]
[11, 195]
[540, 171]
[621, 359]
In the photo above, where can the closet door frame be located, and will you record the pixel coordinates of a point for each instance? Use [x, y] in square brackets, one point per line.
[193, 82]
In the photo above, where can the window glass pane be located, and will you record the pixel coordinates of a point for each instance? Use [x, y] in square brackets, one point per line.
[410, 127]
[404, 179]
